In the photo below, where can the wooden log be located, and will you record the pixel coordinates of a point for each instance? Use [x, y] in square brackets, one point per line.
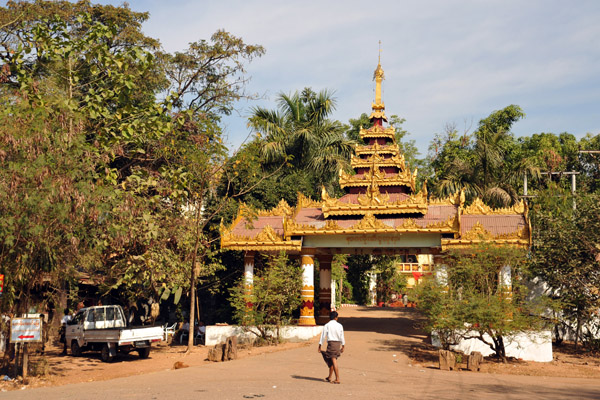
[474, 361]
[447, 360]
[216, 353]
[230, 352]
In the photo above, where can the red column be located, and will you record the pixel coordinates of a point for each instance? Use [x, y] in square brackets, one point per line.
[324, 288]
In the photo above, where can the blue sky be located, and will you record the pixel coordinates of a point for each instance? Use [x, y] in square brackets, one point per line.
[446, 62]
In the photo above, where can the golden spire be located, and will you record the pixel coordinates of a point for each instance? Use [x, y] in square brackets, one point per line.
[378, 106]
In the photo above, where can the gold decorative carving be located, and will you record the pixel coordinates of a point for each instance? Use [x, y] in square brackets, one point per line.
[375, 202]
[403, 178]
[450, 224]
[283, 208]
[477, 232]
[268, 234]
[377, 148]
[266, 240]
[410, 224]
[307, 202]
[457, 200]
[291, 227]
[396, 160]
[369, 222]
[378, 131]
[373, 197]
[332, 225]
[522, 233]
[480, 208]
[461, 244]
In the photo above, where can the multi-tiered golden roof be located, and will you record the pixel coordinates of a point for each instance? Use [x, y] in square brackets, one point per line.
[381, 199]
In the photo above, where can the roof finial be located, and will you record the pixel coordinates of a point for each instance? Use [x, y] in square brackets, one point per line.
[378, 106]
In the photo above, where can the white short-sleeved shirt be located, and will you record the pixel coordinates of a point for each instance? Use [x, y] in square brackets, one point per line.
[334, 332]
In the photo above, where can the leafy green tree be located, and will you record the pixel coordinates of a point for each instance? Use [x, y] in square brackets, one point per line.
[150, 166]
[565, 253]
[488, 163]
[590, 163]
[389, 281]
[357, 275]
[476, 294]
[65, 140]
[275, 296]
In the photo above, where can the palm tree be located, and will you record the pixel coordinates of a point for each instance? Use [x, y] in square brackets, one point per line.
[301, 133]
[490, 168]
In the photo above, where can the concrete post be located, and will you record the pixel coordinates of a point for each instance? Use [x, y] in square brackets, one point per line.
[249, 276]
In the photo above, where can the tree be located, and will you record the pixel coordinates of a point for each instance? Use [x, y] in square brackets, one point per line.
[475, 293]
[565, 254]
[487, 163]
[275, 296]
[58, 154]
[300, 133]
[357, 275]
[89, 89]
[389, 281]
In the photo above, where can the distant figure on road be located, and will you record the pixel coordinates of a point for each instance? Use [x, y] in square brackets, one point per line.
[334, 332]
[63, 329]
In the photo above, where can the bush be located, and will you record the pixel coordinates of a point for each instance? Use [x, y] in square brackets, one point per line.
[272, 299]
[476, 302]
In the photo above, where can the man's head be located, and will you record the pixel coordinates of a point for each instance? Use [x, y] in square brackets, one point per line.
[333, 315]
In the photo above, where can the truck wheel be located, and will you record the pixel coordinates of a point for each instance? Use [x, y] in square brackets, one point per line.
[144, 353]
[105, 353]
[75, 349]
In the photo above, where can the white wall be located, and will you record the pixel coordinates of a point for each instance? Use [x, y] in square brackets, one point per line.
[529, 346]
[216, 334]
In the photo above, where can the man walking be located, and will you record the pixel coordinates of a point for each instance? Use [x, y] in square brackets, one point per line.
[334, 332]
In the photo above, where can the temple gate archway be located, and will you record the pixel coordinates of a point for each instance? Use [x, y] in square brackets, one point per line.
[382, 213]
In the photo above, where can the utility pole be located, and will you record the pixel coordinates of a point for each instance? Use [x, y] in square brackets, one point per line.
[573, 175]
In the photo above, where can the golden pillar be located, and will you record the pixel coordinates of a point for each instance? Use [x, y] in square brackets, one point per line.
[307, 306]
[324, 288]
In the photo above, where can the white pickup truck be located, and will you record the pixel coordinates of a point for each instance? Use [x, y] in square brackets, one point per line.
[103, 328]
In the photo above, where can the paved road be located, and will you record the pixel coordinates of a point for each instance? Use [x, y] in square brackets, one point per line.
[374, 366]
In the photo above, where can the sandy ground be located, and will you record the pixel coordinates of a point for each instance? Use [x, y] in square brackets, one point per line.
[396, 332]
[56, 369]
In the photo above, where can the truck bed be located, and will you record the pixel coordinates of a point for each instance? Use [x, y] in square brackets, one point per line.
[123, 335]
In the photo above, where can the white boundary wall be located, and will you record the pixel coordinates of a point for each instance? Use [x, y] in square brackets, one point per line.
[216, 334]
[531, 346]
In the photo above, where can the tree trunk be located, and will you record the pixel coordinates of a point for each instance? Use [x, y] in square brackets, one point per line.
[192, 331]
[577, 329]
[500, 349]
[559, 338]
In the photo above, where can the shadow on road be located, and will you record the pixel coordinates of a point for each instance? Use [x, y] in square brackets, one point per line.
[308, 378]
[396, 321]
[401, 325]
